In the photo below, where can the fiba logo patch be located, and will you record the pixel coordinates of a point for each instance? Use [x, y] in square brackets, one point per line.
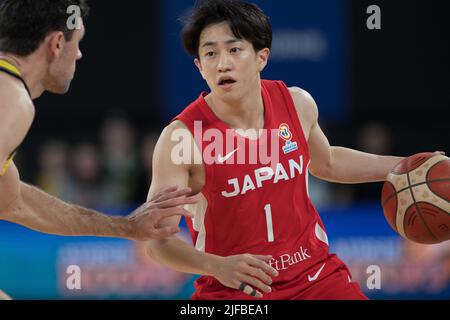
[286, 135]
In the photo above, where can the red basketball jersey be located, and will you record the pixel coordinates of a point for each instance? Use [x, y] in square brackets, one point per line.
[258, 207]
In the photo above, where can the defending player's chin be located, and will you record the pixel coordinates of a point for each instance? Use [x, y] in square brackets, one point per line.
[64, 88]
[59, 85]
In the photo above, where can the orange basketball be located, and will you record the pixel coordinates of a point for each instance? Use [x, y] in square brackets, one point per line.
[416, 198]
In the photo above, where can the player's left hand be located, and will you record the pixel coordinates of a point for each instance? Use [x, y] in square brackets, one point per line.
[145, 222]
[248, 273]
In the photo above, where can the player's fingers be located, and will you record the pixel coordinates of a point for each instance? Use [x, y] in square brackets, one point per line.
[265, 258]
[180, 201]
[249, 290]
[161, 193]
[171, 212]
[255, 283]
[161, 233]
[260, 274]
[174, 194]
[261, 263]
[160, 214]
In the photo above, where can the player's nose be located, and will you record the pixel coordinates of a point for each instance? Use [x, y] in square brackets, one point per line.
[79, 55]
[224, 63]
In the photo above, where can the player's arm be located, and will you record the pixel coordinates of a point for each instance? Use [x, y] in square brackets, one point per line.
[337, 164]
[177, 254]
[16, 115]
[42, 212]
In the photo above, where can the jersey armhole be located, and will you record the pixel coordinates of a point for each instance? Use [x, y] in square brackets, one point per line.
[292, 110]
[209, 173]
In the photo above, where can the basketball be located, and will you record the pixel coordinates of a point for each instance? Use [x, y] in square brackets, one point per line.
[416, 198]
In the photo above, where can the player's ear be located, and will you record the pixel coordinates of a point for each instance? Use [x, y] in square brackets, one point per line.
[263, 58]
[55, 43]
[198, 64]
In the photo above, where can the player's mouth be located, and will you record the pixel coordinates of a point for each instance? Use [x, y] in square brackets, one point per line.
[226, 82]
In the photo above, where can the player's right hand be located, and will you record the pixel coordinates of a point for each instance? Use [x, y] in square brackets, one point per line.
[145, 222]
[251, 270]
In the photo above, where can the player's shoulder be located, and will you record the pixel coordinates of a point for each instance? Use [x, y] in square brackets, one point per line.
[14, 98]
[12, 84]
[174, 126]
[175, 141]
[304, 103]
[175, 132]
[301, 96]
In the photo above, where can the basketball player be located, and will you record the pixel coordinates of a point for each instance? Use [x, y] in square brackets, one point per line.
[256, 232]
[38, 53]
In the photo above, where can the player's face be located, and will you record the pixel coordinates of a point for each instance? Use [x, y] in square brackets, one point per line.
[230, 66]
[62, 69]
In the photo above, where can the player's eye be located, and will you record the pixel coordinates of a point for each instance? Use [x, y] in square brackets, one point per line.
[210, 54]
[235, 50]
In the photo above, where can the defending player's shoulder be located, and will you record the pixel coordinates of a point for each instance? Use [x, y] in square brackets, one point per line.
[306, 106]
[17, 114]
[15, 100]
[15, 89]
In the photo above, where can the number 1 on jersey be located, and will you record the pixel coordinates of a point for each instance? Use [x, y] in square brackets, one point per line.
[268, 209]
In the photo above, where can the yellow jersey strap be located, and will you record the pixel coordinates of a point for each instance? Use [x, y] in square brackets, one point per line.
[8, 68]
[7, 164]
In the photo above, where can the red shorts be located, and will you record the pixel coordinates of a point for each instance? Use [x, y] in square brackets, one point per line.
[336, 286]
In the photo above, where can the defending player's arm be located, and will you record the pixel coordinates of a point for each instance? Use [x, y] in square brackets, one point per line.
[16, 116]
[177, 254]
[42, 212]
[337, 164]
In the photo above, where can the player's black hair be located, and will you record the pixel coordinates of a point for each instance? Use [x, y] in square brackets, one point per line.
[247, 21]
[24, 24]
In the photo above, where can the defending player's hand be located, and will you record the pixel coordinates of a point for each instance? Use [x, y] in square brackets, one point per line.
[249, 273]
[145, 222]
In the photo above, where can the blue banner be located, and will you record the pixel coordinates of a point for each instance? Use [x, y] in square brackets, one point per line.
[308, 52]
[38, 266]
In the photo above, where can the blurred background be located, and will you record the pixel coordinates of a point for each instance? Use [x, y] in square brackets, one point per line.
[380, 91]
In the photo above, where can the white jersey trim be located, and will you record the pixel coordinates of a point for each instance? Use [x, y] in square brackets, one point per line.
[199, 211]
